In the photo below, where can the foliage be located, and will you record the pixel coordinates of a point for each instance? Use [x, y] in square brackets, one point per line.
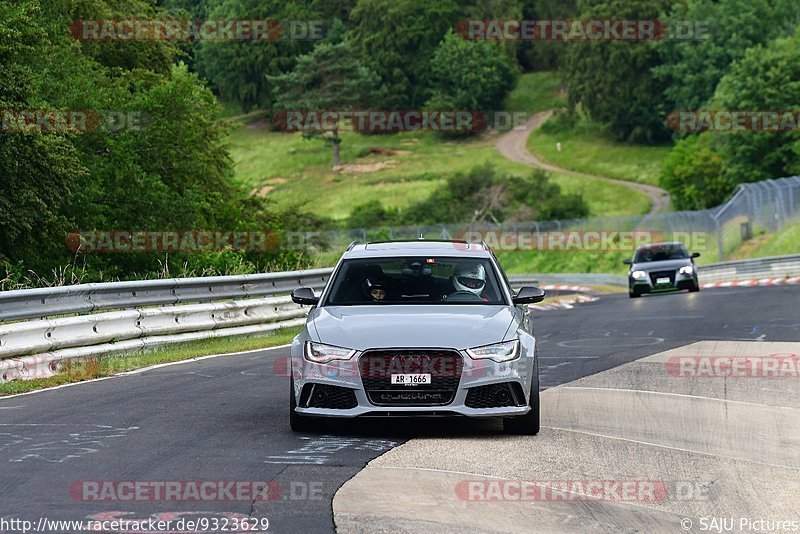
[331, 77]
[691, 68]
[471, 75]
[612, 80]
[397, 39]
[692, 174]
[484, 195]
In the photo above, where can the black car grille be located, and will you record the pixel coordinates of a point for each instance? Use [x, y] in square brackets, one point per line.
[662, 274]
[327, 396]
[376, 367]
[495, 396]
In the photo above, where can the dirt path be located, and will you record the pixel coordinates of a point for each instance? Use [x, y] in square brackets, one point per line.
[513, 145]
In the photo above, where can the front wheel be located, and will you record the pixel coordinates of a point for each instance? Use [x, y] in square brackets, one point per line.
[695, 288]
[528, 424]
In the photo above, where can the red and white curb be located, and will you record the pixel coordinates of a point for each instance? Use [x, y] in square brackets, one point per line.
[577, 289]
[566, 303]
[759, 282]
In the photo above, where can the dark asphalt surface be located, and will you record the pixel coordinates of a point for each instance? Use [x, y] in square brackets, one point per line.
[226, 419]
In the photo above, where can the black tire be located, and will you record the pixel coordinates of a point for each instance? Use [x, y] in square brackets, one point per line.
[297, 422]
[528, 424]
[634, 294]
[695, 288]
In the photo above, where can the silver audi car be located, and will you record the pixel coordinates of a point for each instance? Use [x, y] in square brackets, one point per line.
[416, 328]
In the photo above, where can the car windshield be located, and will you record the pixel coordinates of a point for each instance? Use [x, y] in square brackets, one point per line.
[416, 280]
[661, 253]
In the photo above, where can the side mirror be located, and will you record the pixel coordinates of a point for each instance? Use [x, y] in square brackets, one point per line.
[627, 262]
[305, 295]
[528, 295]
[695, 254]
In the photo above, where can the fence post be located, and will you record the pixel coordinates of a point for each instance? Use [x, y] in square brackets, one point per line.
[720, 244]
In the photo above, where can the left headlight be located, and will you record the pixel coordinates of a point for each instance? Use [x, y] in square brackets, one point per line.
[639, 274]
[686, 269]
[322, 353]
[497, 352]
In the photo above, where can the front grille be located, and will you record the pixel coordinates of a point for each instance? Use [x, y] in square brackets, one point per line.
[495, 396]
[663, 274]
[376, 367]
[327, 396]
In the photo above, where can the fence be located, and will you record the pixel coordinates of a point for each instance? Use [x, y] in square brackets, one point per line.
[760, 206]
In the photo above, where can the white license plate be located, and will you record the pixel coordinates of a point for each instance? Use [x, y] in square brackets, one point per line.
[662, 280]
[411, 379]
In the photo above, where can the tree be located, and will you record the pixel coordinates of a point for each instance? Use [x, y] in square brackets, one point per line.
[471, 75]
[397, 38]
[481, 194]
[330, 78]
[692, 174]
[612, 80]
[236, 69]
[35, 168]
[766, 78]
[692, 68]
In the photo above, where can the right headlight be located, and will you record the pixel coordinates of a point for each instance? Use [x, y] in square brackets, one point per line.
[322, 353]
[497, 352]
[639, 274]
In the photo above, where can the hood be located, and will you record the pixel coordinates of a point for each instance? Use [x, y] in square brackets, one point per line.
[665, 265]
[446, 325]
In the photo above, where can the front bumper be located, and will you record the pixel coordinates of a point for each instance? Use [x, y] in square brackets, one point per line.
[517, 374]
[677, 282]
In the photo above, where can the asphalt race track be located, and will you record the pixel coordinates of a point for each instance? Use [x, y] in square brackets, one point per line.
[226, 419]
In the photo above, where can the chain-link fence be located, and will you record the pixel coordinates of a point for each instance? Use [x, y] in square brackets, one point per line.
[753, 208]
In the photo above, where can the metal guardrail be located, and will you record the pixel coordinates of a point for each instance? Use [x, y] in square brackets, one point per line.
[87, 298]
[731, 271]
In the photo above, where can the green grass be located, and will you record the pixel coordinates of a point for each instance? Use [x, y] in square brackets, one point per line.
[229, 109]
[782, 242]
[300, 171]
[80, 370]
[536, 91]
[589, 148]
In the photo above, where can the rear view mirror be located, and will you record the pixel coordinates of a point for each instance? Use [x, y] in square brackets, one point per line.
[627, 262]
[305, 295]
[529, 295]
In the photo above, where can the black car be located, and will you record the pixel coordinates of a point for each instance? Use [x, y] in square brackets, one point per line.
[658, 267]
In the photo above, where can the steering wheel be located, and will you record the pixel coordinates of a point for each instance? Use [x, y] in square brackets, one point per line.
[462, 296]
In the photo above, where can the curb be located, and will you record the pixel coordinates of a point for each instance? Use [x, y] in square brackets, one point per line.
[755, 282]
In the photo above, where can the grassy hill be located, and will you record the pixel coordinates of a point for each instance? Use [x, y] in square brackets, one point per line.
[397, 169]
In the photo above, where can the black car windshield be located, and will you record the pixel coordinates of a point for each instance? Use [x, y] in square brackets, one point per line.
[661, 253]
[416, 280]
